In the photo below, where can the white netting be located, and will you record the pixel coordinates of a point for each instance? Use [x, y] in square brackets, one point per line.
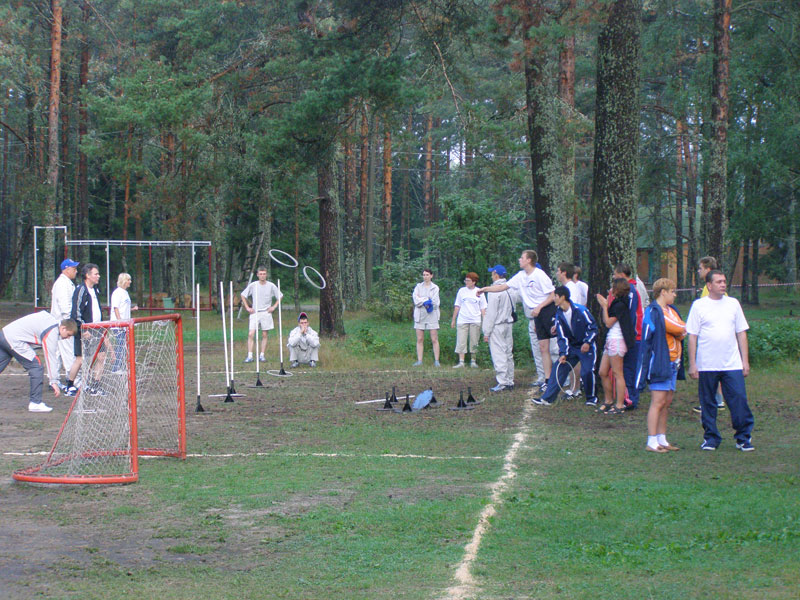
[96, 441]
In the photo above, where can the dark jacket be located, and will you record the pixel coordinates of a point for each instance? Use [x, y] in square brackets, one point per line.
[582, 330]
[82, 304]
[626, 323]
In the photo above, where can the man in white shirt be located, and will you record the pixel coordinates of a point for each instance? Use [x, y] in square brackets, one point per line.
[261, 292]
[61, 308]
[718, 353]
[467, 314]
[535, 289]
[18, 340]
[583, 287]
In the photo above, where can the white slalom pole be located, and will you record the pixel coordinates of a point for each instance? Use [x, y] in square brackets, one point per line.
[224, 332]
[280, 322]
[230, 299]
[199, 407]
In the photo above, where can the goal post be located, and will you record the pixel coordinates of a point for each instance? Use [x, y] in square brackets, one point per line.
[132, 404]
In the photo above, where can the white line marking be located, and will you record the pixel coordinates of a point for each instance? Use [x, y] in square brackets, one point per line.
[296, 454]
[465, 586]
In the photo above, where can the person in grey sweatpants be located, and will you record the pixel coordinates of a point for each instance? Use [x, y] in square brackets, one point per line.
[497, 331]
[18, 340]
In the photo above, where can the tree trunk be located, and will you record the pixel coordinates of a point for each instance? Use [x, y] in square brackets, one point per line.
[613, 208]
[363, 203]
[387, 194]
[745, 271]
[691, 197]
[566, 93]
[718, 162]
[791, 254]
[552, 241]
[82, 199]
[50, 216]
[427, 195]
[330, 305]
[755, 242]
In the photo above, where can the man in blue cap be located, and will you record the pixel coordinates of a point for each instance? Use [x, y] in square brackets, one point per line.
[497, 331]
[60, 309]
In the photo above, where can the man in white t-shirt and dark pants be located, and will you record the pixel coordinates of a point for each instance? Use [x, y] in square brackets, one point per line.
[718, 354]
[261, 292]
[535, 289]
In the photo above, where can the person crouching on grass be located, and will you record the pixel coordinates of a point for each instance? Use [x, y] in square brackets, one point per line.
[662, 333]
[576, 331]
[621, 336]
[469, 309]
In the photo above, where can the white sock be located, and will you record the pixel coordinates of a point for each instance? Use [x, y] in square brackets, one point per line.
[652, 441]
[249, 355]
[662, 439]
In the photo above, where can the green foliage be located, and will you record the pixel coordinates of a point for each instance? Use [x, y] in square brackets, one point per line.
[392, 295]
[774, 340]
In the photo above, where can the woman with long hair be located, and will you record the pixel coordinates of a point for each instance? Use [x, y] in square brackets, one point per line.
[620, 337]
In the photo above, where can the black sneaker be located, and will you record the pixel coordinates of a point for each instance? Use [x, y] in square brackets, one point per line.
[698, 409]
[706, 445]
[591, 402]
[745, 446]
[541, 401]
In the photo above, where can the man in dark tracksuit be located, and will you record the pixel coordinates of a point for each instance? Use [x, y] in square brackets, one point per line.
[576, 331]
[85, 309]
[630, 361]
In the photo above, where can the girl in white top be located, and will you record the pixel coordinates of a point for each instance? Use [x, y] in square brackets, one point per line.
[426, 315]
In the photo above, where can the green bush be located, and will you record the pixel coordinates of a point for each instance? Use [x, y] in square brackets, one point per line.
[392, 296]
[774, 340]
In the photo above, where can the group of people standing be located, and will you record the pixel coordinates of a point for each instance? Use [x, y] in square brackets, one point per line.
[643, 345]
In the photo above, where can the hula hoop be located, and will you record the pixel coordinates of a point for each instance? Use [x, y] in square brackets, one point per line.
[286, 254]
[560, 385]
[321, 278]
[277, 373]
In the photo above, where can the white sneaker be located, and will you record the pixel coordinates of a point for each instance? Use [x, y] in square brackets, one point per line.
[473, 364]
[38, 407]
[262, 358]
[459, 365]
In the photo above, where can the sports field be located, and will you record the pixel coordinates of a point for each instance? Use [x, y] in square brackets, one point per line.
[296, 491]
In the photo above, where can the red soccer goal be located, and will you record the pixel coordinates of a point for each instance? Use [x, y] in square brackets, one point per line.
[131, 404]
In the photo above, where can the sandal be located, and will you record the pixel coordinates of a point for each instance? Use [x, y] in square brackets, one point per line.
[615, 411]
[605, 407]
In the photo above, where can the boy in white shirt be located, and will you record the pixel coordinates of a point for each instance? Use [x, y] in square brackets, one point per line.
[262, 293]
[469, 310]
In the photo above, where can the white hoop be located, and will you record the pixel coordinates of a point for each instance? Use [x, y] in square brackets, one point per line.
[308, 279]
[277, 373]
[286, 254]
[571, 367]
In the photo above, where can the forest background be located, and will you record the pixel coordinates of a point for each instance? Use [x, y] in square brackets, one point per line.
[370, 139]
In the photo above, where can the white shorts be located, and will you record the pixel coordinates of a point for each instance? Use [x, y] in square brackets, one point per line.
[261, 319]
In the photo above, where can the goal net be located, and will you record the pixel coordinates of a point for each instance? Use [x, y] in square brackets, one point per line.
[131, 404]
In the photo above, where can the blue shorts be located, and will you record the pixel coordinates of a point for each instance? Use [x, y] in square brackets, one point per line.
[669, 384]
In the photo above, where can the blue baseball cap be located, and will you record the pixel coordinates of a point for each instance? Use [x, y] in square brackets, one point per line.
[68, 262]
[499, 269]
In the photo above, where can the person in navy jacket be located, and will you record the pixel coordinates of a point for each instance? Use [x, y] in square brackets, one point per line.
[576, 332]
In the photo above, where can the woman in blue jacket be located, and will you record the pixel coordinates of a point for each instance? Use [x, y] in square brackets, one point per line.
[662, 333]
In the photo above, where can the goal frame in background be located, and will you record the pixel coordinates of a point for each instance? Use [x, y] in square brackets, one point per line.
[39, 474]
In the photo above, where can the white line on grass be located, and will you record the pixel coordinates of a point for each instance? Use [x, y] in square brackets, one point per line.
[465, 583]
[296, 455]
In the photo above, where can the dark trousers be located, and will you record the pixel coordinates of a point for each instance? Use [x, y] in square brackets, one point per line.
[629, 372]
[736, 397]
[33, 367]
[559, 374]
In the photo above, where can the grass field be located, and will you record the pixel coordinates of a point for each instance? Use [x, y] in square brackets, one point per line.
[297, 492]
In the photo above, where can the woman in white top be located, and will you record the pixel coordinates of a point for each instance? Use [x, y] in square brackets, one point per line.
[426, 315]
[121, 311]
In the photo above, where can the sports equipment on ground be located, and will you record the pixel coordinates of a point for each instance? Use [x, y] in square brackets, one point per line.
[140, 411]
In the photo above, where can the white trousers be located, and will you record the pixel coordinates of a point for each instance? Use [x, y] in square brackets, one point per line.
[303, 353]
[501, 347]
